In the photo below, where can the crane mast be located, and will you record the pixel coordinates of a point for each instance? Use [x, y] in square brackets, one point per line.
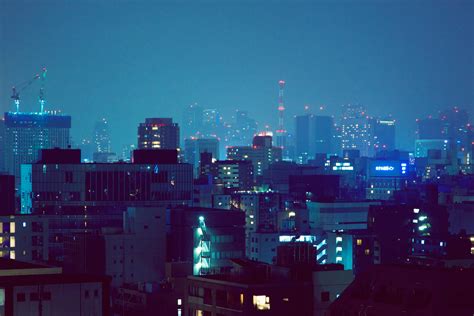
[16, 90]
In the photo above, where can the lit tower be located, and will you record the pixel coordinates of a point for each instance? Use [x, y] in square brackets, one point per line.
[281, 134]
[281, 107]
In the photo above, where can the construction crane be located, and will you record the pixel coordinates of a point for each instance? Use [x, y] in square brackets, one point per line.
[41, 93]
[24, 85]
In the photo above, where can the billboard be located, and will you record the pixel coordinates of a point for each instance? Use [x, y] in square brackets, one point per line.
[388, 168]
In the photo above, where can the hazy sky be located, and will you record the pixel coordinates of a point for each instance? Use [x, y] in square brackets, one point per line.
[136, 59]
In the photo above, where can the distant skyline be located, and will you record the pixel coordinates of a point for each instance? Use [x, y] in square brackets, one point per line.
[128, 60]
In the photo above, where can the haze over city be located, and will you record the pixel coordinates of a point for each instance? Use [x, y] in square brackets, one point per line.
[223, 158]
[132, 59]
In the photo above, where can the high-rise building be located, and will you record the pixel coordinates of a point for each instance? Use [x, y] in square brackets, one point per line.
[430, 137]
[158, 133]
[102, 137]
[457, 128]
[281, 134]
[27, 133]
[262, 153]
[430, 128]
[314, 134]
[242, 130]
[193, 118]
[323, 134]
[356, 130]
[212, 123]
[384, 134]
[235, 174]
[303, 135]
[194, 147]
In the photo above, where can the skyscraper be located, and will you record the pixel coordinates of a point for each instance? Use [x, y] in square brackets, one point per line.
[456, 127]
[303, 135]
[430, 137]
[242, 130]
[158, 133]
[314, 134]
[384, 134]
[323, 127]
[27, 133]
[430, 128]
[193, 147]
[102, 136]
[356, 130]
[281, 133]
[193, 118]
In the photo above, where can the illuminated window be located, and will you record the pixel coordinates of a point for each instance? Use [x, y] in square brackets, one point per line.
[12, 242]
[241, 298]
[12, 227]
[359, 242]
[261, 302]
[12, 254]
[179, 302]
[367, 251]
[338, 239]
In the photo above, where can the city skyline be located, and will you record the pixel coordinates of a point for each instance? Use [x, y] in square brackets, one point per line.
[126, 63]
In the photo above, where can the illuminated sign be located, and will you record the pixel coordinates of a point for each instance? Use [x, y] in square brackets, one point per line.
[384, 168]
[388, 168]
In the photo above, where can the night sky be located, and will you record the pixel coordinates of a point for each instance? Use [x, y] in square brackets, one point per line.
[131, 60]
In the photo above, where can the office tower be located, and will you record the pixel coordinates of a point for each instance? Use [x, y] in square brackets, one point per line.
[193, 118]
[314, 135]
[27, 133]
[102, 136]
[235, 174]
[212, 123]
[158, 133]
[430, 138]
[430, 128]
[194, 147]
[242, 130]
[262, 153]
[384, 134]
[356, 130]
[456, 127]
[303, 135]
[323, 134]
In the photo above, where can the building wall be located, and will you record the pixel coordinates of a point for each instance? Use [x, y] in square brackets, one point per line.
[24, 238]
[327, 286]
[74, 186]
[74, 299]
